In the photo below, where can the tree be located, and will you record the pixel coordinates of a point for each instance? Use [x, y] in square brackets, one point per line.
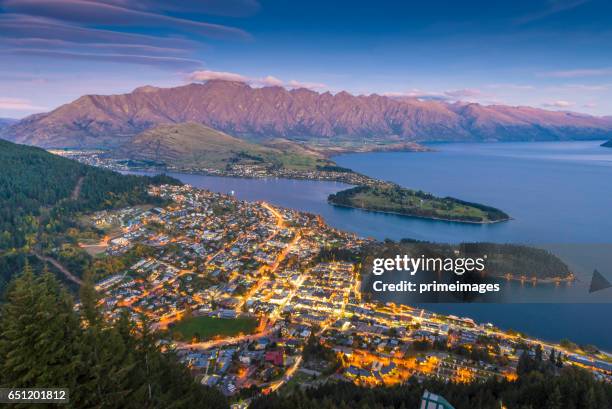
[555, 400]
[538, 354]
[89, 301]
[559, 362]
[39, 334]
[551, 357]
[525, 364]
[45, 343]
[590, 400]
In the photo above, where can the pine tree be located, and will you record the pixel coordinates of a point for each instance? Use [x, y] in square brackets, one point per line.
[551, 357]
[45, 343]
[590, 400]
[39, 334]
[525, 364]
[555, 400]
[89, 301]
[538, 354]
[559, 360]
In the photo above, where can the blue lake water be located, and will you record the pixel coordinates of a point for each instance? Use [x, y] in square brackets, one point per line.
[558, 194]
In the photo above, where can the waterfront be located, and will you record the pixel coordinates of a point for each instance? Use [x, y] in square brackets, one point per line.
[530, 181]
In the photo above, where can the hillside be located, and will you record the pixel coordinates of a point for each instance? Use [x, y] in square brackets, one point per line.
[40, 193]
[299, 114]
[192, 145]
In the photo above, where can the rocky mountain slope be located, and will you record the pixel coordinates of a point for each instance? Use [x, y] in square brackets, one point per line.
[240, 110]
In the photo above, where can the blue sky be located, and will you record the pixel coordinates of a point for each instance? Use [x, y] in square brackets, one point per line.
[553, 54]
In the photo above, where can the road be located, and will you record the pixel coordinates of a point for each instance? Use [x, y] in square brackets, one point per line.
[59, 266]
[77, 189]
[226, 341]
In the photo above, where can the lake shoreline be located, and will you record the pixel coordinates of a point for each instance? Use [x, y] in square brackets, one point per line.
[529, 180]
[419, 217]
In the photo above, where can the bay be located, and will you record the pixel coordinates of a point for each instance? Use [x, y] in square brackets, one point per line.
[558, 194]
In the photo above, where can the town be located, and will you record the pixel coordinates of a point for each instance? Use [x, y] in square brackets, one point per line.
[103, 159]
[252, 298]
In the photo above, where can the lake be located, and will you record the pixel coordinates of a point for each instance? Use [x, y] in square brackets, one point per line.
[558, 194]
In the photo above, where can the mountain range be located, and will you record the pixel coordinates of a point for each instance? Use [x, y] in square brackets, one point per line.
[5, 122]
[243, 111]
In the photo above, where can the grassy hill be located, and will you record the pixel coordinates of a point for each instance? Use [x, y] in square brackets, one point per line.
[191, 145]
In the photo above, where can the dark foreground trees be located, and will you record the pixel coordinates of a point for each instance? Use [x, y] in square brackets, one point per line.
[572, 389]
[45, 343]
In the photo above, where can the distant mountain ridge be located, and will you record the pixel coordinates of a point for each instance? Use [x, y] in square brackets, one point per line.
[4, 122]
[275, 112]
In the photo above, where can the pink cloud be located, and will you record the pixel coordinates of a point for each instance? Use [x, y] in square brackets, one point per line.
[449, 95]
[267, 81]
[155, 61]
[206, 75]
[463, 93]
[558, 104]
[18, 104]
[100, 13]
[308, 85]
[271, 81]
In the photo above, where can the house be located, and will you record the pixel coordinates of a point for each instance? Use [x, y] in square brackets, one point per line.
[276, 357]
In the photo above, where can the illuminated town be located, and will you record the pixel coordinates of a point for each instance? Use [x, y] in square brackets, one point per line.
[252, 297]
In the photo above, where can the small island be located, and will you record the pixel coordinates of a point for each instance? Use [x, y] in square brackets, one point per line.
[607, 144]
[195, 148]
[392, 198]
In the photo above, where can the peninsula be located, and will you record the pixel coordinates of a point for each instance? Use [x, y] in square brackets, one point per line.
[392, 198]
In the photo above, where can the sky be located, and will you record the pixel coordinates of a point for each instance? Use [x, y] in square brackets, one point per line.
[553, 54]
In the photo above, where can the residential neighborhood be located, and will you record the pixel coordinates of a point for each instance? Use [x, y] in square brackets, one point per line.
[251, 296]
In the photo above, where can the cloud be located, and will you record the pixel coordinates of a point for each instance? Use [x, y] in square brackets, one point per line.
[463, 93]
[268, 81]
[18, 104]
[448, 95]
[230, 8]
[155, 61]
[308, 85]
[558, 104]
[91, 12]
[27, 27]
[271, 81]
[553, 7]
[418, 94]
[206, 75]
[589, 105]
[583, 72]
[50, 44]
[520, 87]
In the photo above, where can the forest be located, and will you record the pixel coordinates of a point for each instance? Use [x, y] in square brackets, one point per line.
[41, 193]
[45, 342]
[572, 388]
